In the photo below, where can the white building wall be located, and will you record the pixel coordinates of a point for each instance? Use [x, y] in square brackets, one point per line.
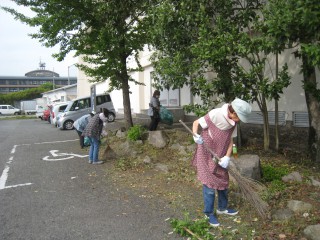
[63, 94]
[293, 98]
[82, 82]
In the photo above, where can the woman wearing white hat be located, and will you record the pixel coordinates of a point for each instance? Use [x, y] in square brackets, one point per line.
[93, 131]
[219, 127]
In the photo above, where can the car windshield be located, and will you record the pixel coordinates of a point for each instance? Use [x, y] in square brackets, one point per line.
[69, 106]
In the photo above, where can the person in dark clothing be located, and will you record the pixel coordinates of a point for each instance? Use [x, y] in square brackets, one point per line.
[153, 111]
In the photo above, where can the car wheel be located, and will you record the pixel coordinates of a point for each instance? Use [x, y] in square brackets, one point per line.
[68, 125]
[16, 113]
[111, 117]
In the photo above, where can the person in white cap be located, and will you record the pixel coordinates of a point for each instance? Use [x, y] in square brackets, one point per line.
[93, 131]
[219, 127]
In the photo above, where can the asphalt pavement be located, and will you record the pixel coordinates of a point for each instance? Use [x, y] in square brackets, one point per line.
[49, 191]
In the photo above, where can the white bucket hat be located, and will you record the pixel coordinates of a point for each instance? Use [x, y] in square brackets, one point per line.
[242, 109]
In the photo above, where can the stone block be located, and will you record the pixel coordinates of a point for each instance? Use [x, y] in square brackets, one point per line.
[248, 165]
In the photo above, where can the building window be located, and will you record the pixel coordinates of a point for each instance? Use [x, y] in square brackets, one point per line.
[168, 97]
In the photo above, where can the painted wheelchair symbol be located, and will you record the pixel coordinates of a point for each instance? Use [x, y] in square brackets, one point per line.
[61, 156]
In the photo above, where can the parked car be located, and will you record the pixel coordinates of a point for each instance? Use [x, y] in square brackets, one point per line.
[82, 106]
[46, 114]
[8, 109]
[56, 109]
[39, 112]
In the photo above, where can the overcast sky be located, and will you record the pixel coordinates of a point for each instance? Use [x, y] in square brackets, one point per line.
[20, 54]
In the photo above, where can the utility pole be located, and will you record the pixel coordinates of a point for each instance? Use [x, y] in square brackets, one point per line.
[53, 79]
[69, 73]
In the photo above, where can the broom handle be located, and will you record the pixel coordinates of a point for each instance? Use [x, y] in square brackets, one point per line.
[193, 134]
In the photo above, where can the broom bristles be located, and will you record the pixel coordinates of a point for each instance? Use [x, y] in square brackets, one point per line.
[248, 189]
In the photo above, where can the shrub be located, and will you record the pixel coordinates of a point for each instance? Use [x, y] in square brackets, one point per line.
[135, 133]
[270, 173]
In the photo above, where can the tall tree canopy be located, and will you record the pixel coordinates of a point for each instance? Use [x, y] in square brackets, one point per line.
[215, 47]
[297, 23]
[106, 33]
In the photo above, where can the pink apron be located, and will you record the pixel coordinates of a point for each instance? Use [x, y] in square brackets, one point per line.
[210, 173]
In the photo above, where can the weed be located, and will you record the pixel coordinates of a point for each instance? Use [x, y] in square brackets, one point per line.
[275, 188]
[193, 229]
[125, 164]
[270, 173]
[135, 133]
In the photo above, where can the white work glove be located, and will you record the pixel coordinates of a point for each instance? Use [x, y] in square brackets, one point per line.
[198, 139]
[224, 161]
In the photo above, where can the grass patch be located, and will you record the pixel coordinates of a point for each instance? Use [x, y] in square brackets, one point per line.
[17, 117]
[271, 173]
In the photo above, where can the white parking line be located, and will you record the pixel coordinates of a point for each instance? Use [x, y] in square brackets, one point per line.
[5, 172]
[13, 149]
[3, 178]
[58, 141]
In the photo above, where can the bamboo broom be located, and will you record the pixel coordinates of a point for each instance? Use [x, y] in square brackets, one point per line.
[248, 187]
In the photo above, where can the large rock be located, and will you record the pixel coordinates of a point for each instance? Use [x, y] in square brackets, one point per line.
[109, 153]
[248, 166]
[314, 182]
[158, 139]
[282, 214]
[312, 232]
[292, 177]
[299, 206]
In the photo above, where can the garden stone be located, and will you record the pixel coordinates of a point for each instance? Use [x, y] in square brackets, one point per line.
[108, 153]
[162, 167]
[147, 160]
[191, 148]
[292, 177]
[158, 139]
[121, 134]
[179, 148]
[248, 165]
[282, 214]
[312, 232]
[314, 182]
[299, 206]
[127, 146]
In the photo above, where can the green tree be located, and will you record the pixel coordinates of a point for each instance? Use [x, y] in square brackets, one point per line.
[105, 33]
[27, 94]
[214, 48]
[297, 22]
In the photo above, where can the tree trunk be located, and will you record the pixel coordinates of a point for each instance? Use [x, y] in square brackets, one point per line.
[310, 87]
[266, 136]
[127, 104]
[276, 112]
[276, 109]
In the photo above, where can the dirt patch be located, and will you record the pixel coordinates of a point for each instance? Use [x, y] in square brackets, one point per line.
[135, 166]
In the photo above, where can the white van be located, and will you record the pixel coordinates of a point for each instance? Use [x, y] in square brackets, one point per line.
[82, 106]
[8, 109]
[57, 109]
